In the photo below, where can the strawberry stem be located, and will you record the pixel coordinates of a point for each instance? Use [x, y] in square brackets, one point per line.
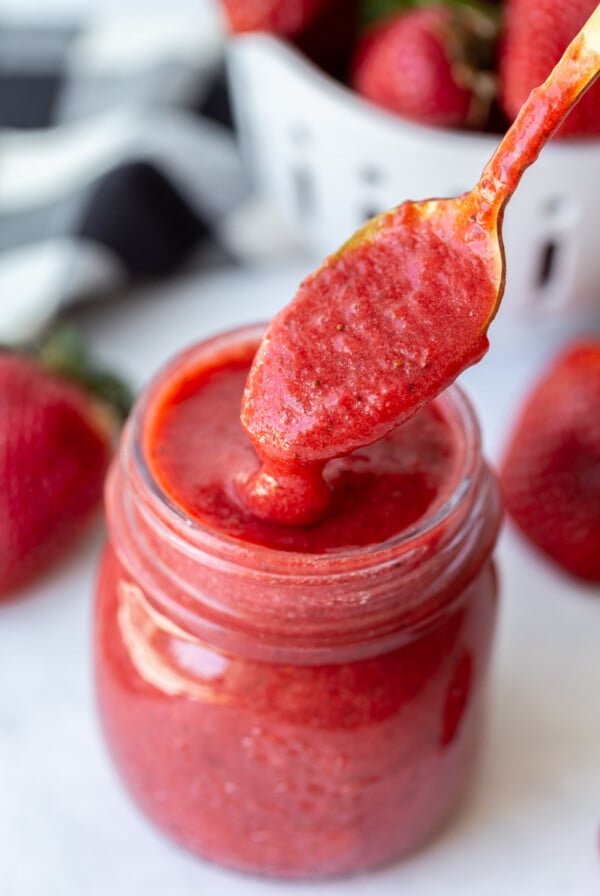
[63, 352]
[372, 11]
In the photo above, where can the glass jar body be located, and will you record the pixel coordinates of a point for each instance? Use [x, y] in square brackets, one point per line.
[286, 769]
[287, 714]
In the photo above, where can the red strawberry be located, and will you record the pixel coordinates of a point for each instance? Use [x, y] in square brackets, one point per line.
[55, 445]
[536, 34]
[425, 64]
[285, 17]
[551, 471]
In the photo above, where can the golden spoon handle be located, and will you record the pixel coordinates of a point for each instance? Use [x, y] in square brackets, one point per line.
[591, 31]
[541, 115]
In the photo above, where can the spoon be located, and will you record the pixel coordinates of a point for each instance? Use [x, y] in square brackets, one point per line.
[397, 313]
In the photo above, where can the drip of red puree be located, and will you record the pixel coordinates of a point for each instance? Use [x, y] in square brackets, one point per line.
[198, 452]
[369, 339]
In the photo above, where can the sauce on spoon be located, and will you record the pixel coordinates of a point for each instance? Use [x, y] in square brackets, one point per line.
[393, 317]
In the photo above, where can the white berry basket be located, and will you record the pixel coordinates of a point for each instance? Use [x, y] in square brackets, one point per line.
[331, 160]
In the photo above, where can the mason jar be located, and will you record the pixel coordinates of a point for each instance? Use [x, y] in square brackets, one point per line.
[287, 713]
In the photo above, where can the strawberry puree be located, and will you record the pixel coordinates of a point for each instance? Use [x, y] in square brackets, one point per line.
[371, 336]
[376, 492]
[369, 339]
[298, 701]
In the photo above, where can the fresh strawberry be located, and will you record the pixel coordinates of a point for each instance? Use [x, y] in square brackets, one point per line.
[285, 17]
[535, 36]
[551, 471]
[431, 64]
[55, 445]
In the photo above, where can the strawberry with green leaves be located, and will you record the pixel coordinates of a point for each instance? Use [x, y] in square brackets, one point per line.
[429, 62]
[550, 475]
[58, 420]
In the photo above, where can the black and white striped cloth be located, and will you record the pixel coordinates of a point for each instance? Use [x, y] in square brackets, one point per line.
[116, 155]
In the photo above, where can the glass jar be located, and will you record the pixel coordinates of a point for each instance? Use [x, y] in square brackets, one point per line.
[294, 714]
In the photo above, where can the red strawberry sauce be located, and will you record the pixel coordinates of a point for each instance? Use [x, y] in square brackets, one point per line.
[298, 701]
[369, 338]
[376, 492]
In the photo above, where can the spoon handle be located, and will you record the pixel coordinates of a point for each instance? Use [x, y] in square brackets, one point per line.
[540, 116]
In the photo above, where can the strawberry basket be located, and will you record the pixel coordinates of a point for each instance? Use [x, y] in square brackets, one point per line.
[331, 160]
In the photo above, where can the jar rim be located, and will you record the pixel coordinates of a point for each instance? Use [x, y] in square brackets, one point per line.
[195, 536]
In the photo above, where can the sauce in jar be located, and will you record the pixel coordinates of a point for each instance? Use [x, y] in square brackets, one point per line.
[294, 701]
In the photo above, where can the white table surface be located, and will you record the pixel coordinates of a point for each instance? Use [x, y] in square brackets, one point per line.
[529, 827]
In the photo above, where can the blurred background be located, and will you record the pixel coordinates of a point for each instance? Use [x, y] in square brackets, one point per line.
[118, 157]
[120, 129]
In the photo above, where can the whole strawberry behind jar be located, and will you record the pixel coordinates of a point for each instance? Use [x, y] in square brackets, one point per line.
[550, 475]
[431, 63]
[58, 420]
